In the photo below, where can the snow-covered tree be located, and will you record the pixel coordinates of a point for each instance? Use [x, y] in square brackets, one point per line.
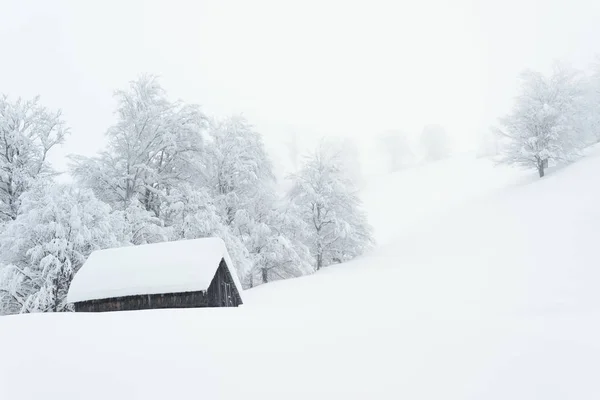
[238, 165]
[136, 225]
[397, 148]
[28, 131]
[155, 145]
[329, 205]
[58, 227]
[273, 237]
[544, 125]
[192, 213]
[240, 176]
[435, 143]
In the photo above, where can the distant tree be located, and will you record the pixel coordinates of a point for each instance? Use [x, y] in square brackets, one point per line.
[435, 143]
[488, 143]
[28, 131]
[327, 202]
[155, 145]
[293, 148]
[41, 250]
[591, 106]
[349, 154]
[544, 124]
[397, 148]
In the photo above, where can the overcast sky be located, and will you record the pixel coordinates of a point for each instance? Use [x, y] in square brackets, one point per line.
[320, 67]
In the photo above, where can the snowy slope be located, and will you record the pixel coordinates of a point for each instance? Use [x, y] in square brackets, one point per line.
[487, 290]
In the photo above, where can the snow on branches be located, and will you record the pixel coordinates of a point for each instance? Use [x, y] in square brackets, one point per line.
[545, 123]
[329, 205]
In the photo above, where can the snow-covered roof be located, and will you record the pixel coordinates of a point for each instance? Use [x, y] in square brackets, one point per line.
[168, 267]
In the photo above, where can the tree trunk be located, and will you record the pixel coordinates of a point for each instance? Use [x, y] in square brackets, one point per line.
[56, 293]
[265, 275]
[319, 261]
[541, 169]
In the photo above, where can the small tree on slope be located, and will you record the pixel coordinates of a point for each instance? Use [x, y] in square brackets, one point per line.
[543, 125]
[327, 202]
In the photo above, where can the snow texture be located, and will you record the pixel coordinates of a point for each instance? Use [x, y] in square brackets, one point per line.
[485, 289]
[169, 267]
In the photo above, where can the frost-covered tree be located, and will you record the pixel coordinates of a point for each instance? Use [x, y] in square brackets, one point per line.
[396, 146]
[327, 202]
[192, 213]
[435, 143]
[238, 165]
[544, 125]
[58, 227]
[28, 131]
[155, 145]
[273, 237]
[240, 176]
[136, 225]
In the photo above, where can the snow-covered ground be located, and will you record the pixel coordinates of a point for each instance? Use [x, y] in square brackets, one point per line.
[484, 286]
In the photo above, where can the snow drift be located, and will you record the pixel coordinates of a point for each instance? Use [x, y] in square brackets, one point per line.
[493, 296]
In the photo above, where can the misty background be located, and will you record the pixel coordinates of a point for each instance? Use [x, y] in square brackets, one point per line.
[312, 68]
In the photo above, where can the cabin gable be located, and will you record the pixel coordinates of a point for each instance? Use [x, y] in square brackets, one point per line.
[222, 291]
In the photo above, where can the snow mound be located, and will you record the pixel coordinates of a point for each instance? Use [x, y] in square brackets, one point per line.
[169, 267]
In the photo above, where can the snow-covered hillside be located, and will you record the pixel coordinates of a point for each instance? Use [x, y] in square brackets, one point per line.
[484, 286]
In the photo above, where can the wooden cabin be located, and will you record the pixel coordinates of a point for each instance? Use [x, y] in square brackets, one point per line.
[182, 274]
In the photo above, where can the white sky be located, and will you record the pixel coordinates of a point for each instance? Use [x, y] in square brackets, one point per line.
[316, 67]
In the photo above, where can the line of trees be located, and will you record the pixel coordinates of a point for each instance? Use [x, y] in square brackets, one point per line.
[433, 144]
[168, 172]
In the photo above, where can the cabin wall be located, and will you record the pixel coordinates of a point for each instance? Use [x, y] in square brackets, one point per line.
[222, 291]
[145, 302]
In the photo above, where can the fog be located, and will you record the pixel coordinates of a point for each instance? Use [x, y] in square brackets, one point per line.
[314, 68]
